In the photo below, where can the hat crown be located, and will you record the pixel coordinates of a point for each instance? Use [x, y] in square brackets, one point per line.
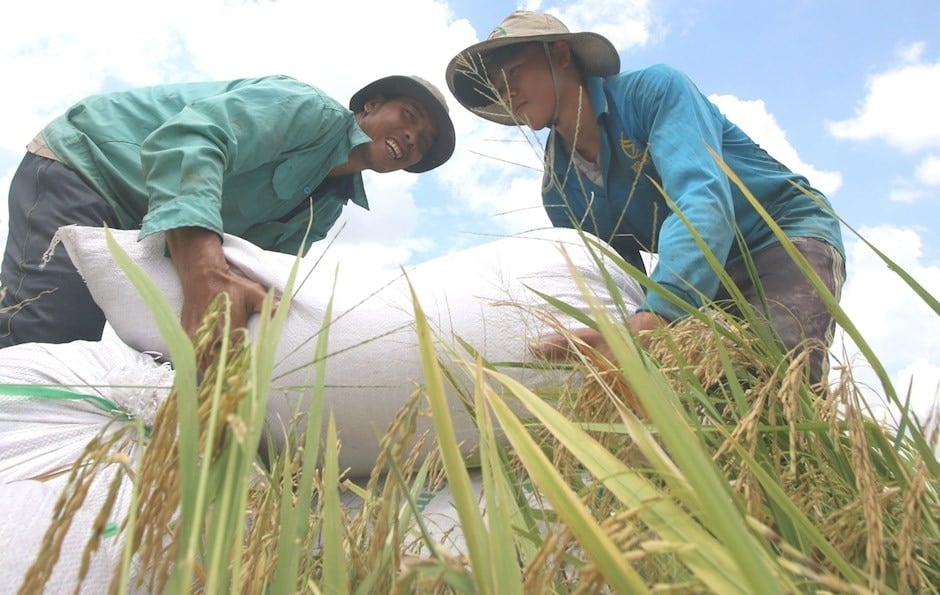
[523, 23]
[432, 89]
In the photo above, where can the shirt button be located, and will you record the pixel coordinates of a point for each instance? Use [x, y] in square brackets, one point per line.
[307, 189]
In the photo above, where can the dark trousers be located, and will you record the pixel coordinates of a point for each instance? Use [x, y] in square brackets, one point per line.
[45, 298]
[795, 311]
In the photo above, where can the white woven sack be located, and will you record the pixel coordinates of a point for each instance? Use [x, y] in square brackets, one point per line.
[480, 295]
[41, 437]
[25, 515]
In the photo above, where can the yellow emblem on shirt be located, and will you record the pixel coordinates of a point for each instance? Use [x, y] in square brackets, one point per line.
[633, 152]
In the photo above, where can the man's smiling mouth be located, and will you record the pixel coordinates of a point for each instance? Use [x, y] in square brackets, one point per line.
[394, 148]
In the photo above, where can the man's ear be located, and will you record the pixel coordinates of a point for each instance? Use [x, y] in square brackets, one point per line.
[561, 54]
[372, 104]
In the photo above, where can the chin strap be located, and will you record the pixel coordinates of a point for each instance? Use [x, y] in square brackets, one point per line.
[551, 67]
[554, 121]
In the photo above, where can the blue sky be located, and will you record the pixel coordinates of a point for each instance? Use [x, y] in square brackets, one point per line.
[842, 91]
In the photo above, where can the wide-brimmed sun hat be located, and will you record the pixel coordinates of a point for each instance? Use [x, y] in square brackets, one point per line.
[430, 97]
[466, 73]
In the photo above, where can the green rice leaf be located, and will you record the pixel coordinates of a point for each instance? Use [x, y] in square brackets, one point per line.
[500, 504]
[565, 502]
[471, 520]
[335, 574]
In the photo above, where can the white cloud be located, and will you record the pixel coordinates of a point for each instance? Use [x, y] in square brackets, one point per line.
[66, 50]
[919, 374]
[392, 213]
[493, 158]
[901, 329]
[56, 52]
[626, 24]
[899, 107]
[907, 195]
[752, 116]
[912, 53]
[920, 188]
[928, 172]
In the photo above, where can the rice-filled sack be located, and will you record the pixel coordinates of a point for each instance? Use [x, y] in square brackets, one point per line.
[483, 297]
[58, 403]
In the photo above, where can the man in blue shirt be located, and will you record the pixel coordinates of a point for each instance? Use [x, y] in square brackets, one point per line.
[622, 142]
[256, 158]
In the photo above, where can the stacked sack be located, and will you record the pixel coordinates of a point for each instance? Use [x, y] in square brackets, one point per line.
[59, 397]
[483, 296]
[54, 400]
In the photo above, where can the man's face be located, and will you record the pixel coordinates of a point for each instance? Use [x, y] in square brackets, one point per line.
[402, 130]
[524, 82]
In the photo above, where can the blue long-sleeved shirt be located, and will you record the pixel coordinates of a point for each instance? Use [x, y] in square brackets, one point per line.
[241, 156]
[656, 128]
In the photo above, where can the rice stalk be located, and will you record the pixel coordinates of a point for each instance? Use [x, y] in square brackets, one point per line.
[160, 532]
[869, 492]
[704, 465]
[106, 452]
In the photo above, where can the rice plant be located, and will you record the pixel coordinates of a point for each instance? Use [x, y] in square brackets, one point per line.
[704, 463]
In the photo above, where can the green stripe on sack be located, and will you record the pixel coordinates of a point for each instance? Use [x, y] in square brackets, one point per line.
[61, 394]
[423, 499]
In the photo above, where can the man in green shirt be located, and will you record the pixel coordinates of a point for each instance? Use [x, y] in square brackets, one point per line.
[256, 158]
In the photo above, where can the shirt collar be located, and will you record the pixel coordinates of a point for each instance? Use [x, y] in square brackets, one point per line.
[595, 89]
[357, 191]
[348, 187]
[352, 185]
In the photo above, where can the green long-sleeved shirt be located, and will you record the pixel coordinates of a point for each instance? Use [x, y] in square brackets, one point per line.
[241, 157]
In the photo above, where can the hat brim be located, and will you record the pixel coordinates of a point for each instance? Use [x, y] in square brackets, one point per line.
[396, 86]
[466, 74]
